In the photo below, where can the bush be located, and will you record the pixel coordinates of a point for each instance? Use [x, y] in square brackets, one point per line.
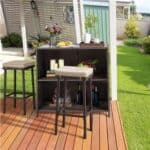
[133, 42]
[12, 40]
[131, 28]
[5, 41]
[146, 44]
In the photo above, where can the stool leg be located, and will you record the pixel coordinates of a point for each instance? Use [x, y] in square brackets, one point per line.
[33, 88]
[23, 92]
[64, 102]
[5, 88]
[84, 103]
[15, 88]
[91, 107]
[57, 105]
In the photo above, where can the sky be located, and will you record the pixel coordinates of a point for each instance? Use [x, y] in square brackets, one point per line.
[143, 5]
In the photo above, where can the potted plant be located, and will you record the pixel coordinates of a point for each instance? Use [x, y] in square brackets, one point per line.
[90, 21]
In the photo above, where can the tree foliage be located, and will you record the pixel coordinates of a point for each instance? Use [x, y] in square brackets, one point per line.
[131, 28]
[90, 21]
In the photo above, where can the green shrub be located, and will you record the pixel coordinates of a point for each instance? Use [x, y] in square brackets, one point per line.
[12, 40]
[131, 28]
[133, 42]
[5, 41]
[15, 40]
[146, 44]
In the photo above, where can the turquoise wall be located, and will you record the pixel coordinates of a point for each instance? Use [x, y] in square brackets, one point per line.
[101, 29]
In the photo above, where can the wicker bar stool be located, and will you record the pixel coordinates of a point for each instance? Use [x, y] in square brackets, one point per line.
[22, 65]
[84, 75]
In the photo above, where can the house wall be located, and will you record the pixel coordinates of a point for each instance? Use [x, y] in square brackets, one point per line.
[36, 23]
[101, 28]
[2, 22]
[144, 26]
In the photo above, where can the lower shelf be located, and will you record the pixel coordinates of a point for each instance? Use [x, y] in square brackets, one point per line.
[46, 108]
[96, 78]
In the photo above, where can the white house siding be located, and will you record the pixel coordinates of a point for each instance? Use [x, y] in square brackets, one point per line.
[144, 26]
[11, 11]
[2, 22]
[36, 24]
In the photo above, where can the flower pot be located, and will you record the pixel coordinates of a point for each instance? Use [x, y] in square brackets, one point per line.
[87, 38]
[52, 41]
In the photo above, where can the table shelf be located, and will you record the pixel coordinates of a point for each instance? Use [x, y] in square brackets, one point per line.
[51, 79]
[72, 57]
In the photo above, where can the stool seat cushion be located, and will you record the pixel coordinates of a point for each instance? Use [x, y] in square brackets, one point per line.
[71, 71]
[18, 64]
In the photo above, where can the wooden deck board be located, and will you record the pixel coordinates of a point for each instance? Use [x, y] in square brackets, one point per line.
[30, 133]
[63, 135]
[111, 133]
[118, 128]
[71, 134]
[46, 134]
[53, 139]
[103, 132]
[87, 142]
[95, 133]
[78, 139]
[37, 133]
[8, 118]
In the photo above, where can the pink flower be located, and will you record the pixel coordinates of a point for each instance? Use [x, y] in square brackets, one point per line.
[53, 29]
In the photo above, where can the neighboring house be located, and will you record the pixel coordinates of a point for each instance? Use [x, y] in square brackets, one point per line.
[124, 8]
[145, 16]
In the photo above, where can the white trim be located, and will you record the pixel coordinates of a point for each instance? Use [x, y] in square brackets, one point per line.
[82, 18]
[129, 12]
[23, 29]
[96, 3]
[113, 49]
[77, 21]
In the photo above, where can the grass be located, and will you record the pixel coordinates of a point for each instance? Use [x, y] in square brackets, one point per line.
[28, 83]
[134, 96]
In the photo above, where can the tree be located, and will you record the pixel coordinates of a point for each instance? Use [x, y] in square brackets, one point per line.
[131, 28]
[90, 21]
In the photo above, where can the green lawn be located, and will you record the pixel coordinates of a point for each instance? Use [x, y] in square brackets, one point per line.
[134, 96]
[28, 83]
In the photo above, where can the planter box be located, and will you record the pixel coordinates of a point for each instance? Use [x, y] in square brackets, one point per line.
[92, 45]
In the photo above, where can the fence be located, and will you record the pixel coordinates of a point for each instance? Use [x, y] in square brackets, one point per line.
[144, 26]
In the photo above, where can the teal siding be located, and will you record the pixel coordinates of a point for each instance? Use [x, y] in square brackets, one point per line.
[101, 29]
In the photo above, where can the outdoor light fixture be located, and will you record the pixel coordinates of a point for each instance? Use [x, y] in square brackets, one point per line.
[33, 5]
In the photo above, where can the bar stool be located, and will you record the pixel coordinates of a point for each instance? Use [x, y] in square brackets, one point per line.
[83, 74]
[22, 65]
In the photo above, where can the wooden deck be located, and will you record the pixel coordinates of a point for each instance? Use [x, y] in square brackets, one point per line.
[37, 133]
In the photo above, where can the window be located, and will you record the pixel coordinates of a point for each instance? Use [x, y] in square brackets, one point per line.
[119, 11]
[122, 12]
